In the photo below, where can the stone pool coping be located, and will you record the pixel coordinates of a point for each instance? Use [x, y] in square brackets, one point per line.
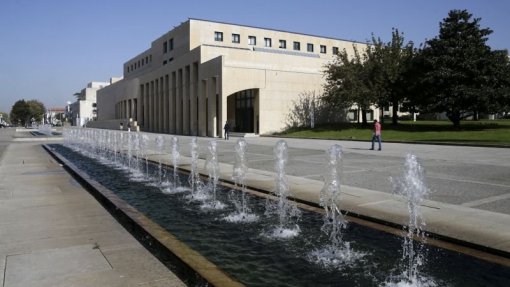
[469, 227]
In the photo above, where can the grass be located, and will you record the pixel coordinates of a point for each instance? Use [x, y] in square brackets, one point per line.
[483, 132]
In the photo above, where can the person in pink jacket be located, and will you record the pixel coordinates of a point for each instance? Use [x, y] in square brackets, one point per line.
[376, 135]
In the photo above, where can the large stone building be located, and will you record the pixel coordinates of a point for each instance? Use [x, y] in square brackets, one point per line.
[202, 73]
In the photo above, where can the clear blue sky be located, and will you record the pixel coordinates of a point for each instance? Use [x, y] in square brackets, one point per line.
[50, 49]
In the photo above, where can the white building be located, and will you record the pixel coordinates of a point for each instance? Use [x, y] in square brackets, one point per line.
[202, 74]
[84, 109]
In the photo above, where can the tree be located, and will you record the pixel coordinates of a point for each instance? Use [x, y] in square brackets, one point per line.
[348, 82]
[391, 62]
[460, 74]
[376, 76]
[20, 113]
[37, 110]
[23, 112]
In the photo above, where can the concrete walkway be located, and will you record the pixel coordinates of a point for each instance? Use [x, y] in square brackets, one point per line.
[54, 233]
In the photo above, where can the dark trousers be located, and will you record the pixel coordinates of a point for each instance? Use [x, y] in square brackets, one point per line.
[376, 138]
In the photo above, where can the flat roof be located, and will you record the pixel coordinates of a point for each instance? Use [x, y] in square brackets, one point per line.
[276, 30]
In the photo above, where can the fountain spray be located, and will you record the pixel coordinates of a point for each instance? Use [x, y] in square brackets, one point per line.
[413, 188]
[240, 168]
[286, 211]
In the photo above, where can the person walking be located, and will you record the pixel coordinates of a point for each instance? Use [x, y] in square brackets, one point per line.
[226, 127]
[376, 135]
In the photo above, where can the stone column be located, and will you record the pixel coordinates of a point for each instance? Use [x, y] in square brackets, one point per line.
[178, 103]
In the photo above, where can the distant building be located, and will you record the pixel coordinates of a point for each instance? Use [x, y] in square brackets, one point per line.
[55, 116]
[202, 73]
[84, 109]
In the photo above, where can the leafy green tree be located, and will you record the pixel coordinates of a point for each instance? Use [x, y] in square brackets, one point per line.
[375, 76]
[348, 82]
[36, 109]
[495, 79]
[391, 63]
[461, 76]
[23, 112]
[20, 113]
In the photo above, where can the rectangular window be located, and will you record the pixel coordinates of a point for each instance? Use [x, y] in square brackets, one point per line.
[335, 50]
[297, 46]
[236, 38]
[165, 47]
[267, 42]
[171, 44]
[323, 49]
[218, 36]
[252, 40]
[309, 47]
[283, 44]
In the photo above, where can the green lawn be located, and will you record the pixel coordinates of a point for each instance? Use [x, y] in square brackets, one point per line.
[482, 132]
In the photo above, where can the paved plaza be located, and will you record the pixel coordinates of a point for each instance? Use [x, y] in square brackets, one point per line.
[45, 214]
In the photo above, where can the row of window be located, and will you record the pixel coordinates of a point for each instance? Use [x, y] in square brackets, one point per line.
[282, 44]
[141, 62]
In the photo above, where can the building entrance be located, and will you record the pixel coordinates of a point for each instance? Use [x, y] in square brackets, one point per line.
[244, 111]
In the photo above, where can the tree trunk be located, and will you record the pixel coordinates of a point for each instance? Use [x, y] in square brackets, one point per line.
[394, 117]
[454, 117]
[364, 117]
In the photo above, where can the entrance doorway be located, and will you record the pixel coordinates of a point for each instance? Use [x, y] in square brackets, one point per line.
[242, 111]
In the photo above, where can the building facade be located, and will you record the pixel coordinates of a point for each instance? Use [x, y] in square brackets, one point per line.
[84, 109]
[202, 74]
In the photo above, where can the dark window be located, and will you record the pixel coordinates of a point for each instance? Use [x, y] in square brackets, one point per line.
[297, 46]
[252, 40]
[236, 38]
[218, 36]
[283, 44]
[267, 42]
[323, 49]
[335, 50]
[171, 44]
[309, 47]
[165, 47]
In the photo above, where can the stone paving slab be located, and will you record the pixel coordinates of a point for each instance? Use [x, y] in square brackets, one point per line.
[28, 269]
[54, 233]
